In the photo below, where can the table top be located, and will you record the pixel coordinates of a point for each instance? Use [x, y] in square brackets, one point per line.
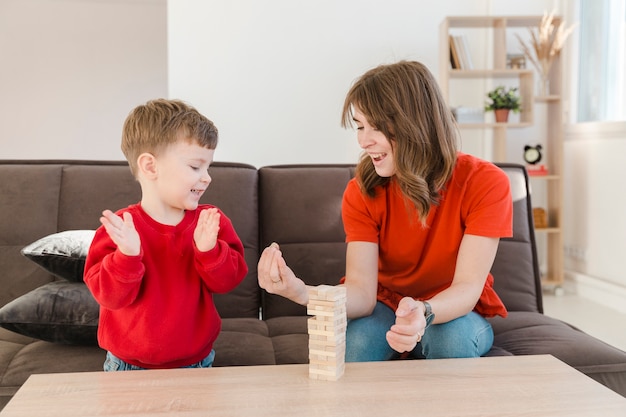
[498, 386]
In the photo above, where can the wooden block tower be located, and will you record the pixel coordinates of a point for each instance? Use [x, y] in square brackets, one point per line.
[327, 332]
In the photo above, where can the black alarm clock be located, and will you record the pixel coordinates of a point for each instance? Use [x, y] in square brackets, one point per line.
[532, 154]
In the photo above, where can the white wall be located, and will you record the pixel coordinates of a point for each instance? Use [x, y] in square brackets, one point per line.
[71, 70]
[273, 74]
[594, 221]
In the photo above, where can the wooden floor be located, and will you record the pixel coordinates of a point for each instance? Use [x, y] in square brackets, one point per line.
[600, 321]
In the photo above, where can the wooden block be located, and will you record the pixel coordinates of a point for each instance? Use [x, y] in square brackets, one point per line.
[325, 361]
[322, 374]
[327, 347]
[326, 304]
[327, 292]
[326, 313]
[327, 340]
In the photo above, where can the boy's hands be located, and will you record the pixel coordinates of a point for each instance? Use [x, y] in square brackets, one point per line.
[122, 232]
[410, 326]
[207, 229]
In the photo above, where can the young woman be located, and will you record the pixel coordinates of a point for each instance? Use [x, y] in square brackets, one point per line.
[422, 223]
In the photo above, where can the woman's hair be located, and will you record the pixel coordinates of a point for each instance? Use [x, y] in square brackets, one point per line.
[153, 126]
[404, 102]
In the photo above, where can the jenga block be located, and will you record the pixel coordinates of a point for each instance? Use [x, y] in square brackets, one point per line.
[326, 313]
[326, 361]
[327, 292]
[328, 375]
[323, 349]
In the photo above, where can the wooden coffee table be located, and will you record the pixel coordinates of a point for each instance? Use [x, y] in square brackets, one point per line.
[500, 386]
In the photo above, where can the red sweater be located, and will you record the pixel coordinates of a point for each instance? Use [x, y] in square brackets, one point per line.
[156, 309]
[419, 262]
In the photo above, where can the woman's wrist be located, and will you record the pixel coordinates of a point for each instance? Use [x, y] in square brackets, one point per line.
[302, 294]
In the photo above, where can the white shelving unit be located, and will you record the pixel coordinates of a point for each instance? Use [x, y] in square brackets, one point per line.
[494, 34]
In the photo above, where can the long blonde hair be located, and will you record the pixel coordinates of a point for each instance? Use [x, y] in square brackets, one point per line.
[404, 102]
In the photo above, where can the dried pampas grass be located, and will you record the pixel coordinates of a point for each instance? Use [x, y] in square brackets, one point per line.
[546, 43]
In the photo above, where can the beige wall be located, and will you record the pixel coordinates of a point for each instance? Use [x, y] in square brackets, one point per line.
[71, 70]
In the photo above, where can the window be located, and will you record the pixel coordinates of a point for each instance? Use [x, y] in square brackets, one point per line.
[602, 66]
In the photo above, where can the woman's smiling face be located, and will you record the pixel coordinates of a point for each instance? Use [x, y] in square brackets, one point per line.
[375, 144]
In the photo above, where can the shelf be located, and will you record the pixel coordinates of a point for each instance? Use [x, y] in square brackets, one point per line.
[551, 282]
[548, 229]
[541, 115]
[490, 73]
[493, 125]
[549, 177]
[493, 21]
[545, 99]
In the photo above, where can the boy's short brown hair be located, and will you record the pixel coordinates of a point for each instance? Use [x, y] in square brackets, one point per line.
[153, 126]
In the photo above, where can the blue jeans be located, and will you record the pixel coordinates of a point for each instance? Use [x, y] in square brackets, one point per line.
[113, 363]
[465, 337]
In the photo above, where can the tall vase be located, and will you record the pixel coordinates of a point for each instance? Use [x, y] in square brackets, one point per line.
[544, 85]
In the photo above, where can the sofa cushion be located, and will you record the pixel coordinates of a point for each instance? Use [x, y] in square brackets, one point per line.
[61, 311]
[25, 357]
[243, 341]
[62, 254]
[290, 338]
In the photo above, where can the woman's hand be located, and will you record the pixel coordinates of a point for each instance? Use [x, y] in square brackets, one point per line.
[276, 277]
[410, 326]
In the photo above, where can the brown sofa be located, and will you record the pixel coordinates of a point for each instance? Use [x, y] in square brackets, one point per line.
[297, 206]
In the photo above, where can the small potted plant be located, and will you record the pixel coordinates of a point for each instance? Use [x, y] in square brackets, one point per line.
[502, 101]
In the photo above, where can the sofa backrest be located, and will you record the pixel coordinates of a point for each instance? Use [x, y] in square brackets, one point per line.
[39, 198]
[300, 208]
[516, 268]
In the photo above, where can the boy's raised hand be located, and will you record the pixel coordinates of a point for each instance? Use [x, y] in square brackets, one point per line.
[207, 229]
[122, 232]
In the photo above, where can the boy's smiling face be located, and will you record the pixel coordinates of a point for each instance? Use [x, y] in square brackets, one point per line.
[181, 178]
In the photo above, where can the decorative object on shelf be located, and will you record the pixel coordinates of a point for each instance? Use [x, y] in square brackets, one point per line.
[532, 156]
[502, 102]
[516, 61]
[546, 44]
[468, 114]
[541, 218]
[536, 170]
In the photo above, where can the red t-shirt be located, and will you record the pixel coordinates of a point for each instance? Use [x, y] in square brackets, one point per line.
[418, 261]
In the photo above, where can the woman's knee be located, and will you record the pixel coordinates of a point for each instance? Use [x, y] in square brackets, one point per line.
[466, 337]
[366, 339]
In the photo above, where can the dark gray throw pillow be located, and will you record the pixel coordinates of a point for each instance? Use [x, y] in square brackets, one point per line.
[61, 312]
[62, 254]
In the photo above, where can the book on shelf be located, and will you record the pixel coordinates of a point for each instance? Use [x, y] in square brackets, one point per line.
[460, 57]
[468, 57]
[454, 56]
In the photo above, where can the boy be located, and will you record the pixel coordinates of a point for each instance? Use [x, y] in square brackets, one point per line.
[154, 265]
